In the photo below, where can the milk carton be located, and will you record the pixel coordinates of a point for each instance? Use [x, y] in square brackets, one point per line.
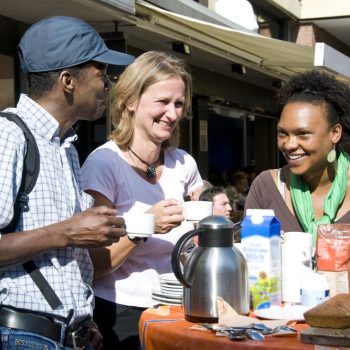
[260, 237]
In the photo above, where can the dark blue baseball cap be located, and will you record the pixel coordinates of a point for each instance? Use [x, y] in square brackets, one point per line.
[61, 42]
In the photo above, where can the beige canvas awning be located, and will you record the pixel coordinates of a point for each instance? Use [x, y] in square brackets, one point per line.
[271, 56]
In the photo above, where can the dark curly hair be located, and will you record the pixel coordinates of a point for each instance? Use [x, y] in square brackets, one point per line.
[316, 87]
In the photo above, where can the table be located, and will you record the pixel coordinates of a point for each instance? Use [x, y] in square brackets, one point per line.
[165, 328]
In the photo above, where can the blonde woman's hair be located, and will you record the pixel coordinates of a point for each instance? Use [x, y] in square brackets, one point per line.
[148, 69]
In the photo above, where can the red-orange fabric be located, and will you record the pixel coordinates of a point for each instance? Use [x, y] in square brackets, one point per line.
[173, 333]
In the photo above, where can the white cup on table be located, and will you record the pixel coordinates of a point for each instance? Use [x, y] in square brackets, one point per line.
[296, 255]
[139, 224]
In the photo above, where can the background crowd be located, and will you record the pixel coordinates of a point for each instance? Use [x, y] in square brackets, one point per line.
[235, 184]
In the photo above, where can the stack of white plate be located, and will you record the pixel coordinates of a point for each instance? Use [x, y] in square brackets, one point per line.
[170, 292]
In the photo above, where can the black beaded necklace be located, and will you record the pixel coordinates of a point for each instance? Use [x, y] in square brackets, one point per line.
[151, 168]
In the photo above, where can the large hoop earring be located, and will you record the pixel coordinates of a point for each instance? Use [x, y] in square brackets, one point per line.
[332, 155]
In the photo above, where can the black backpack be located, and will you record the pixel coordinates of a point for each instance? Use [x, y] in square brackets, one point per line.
[30, 173]
[31, 167]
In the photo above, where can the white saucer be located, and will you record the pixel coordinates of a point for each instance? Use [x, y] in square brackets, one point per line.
[169, 278]
[162, 294]
[173, 284]
[140, 235]
[170, 289]
[168, 301]
[288, 312]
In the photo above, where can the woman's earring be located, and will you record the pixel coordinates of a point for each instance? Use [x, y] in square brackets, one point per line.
[332, 155]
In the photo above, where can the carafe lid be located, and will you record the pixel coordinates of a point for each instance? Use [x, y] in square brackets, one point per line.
[215, 222]
[216, 231]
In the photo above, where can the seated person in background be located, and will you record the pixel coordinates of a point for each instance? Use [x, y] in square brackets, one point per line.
[194, 196]
[221, 203]
[314, 186]
[240, 183]
[251, 172]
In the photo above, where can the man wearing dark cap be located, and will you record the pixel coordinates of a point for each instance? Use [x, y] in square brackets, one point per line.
[65, 60]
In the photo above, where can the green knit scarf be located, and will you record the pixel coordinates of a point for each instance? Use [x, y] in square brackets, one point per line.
[302, 202]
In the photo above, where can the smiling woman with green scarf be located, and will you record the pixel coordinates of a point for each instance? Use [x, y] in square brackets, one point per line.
[313, 187]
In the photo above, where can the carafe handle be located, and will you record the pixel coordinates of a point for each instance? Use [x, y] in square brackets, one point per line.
[175, 257]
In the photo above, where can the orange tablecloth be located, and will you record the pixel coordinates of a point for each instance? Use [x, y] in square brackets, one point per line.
[166, 329]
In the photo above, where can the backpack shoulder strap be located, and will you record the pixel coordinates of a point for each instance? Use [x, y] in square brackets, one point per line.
[31, 167]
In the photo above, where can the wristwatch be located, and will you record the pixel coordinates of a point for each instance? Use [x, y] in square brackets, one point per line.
[137, 240]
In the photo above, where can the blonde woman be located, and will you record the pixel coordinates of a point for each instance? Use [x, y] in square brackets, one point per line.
[140, 170]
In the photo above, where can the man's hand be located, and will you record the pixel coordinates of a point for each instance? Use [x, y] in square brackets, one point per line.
[95, 227]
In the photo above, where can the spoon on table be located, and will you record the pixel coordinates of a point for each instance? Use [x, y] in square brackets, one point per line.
[282, 328]
[254, 335]
[213, 327]
[262, 328]
[237, 336]
[244, 333]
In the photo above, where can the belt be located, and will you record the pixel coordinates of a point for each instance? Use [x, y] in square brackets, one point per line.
[77, 339]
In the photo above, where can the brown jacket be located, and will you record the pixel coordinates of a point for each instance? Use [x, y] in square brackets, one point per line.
[264, 194]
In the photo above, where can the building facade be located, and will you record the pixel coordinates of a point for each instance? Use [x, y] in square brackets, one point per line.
[236, 70]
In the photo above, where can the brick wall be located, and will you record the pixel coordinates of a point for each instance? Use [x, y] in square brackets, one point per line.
[309, 34]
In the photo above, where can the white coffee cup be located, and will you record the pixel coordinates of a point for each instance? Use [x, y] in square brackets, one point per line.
[197, 210]
[303, 238]
[139, 224]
